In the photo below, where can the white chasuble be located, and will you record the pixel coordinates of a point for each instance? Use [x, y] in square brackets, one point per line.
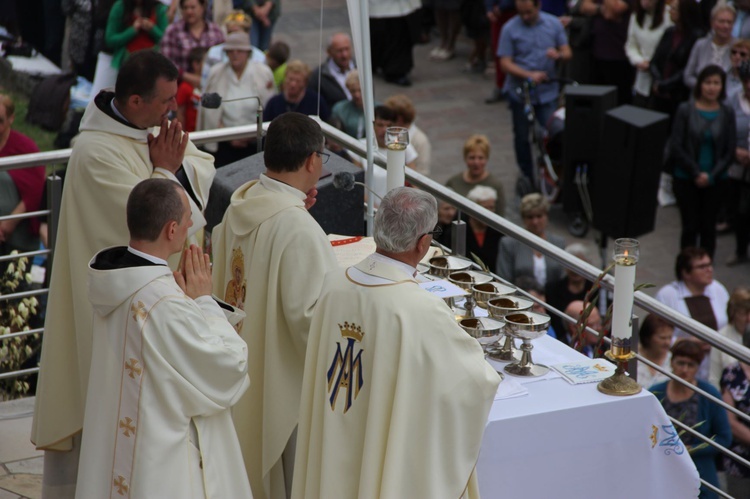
[395, 394]
[108, 160]
[164, 373]
[286, 254]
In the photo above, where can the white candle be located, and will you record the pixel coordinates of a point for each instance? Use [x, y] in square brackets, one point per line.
[626, 257]
[395, 176]
[623, 308]
[396, 142]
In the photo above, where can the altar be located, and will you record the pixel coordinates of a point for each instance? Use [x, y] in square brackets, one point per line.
[571, 441]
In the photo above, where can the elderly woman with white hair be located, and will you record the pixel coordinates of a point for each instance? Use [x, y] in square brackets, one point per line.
[517, 259]
[238, 77]
[481, 240]
[715, 47]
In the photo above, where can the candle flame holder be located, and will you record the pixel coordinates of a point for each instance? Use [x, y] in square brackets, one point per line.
[620, 384]
[396, 138]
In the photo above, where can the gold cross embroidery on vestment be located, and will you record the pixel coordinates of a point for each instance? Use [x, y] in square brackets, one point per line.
[133, 368]
[121, 485]
[139, 310]
[127, 426]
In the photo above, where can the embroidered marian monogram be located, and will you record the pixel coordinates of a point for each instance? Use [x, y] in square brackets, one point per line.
[671, 443]
[346, 369]
[121, 485]
[127, 426]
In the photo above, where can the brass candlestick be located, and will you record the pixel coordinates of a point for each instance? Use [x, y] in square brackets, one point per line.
[620, 384]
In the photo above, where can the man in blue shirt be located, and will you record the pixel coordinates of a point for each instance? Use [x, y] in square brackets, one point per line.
[530, 45]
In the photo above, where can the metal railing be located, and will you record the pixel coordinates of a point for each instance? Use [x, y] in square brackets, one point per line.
[441, 192]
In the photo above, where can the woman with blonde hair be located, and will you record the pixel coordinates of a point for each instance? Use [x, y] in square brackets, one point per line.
[349, 115]
[295, 96]
[476, 154]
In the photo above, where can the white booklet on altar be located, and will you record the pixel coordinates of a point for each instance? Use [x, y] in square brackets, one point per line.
[350, 250]
[585, 371]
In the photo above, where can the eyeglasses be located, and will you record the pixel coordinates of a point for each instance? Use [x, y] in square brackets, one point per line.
[323, 156]
[743, 54]
[435, 233]
[703, 266]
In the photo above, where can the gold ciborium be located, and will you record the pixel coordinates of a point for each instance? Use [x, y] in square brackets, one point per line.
[505, 349]
[527, 326]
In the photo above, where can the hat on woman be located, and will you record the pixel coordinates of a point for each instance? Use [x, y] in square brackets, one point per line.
[239, 40]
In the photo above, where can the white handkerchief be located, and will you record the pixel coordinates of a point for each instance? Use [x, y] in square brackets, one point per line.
[509, 388]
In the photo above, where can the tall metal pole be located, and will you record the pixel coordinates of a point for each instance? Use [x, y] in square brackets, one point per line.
[365, 70]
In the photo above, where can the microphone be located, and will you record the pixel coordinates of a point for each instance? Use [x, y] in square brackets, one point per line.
[212, 100]
[345, 181]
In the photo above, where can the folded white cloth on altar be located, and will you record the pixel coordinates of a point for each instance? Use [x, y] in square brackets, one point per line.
[509, 388]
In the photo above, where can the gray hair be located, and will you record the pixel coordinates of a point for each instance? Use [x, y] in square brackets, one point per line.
[723, 6]
[533, 202]
[405, 214]
[482, 193]
[579, 250]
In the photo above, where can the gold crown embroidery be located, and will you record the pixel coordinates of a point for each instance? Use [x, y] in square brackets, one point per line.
[351, 331]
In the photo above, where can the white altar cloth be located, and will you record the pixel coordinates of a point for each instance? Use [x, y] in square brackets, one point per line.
[571, 441]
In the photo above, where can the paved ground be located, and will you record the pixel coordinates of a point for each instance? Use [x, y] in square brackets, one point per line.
[450, 106]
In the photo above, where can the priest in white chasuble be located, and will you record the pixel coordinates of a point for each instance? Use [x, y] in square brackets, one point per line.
[167, 365]
[271, 255]
[115, 150]
[395, 395]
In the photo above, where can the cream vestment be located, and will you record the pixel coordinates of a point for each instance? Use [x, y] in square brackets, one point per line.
[270, 251]
[109, 158]
[395, 394]
[164, 373]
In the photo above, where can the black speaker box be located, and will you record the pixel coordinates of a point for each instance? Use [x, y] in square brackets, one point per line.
[337, 211]
[625, 182]
[585, 106]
